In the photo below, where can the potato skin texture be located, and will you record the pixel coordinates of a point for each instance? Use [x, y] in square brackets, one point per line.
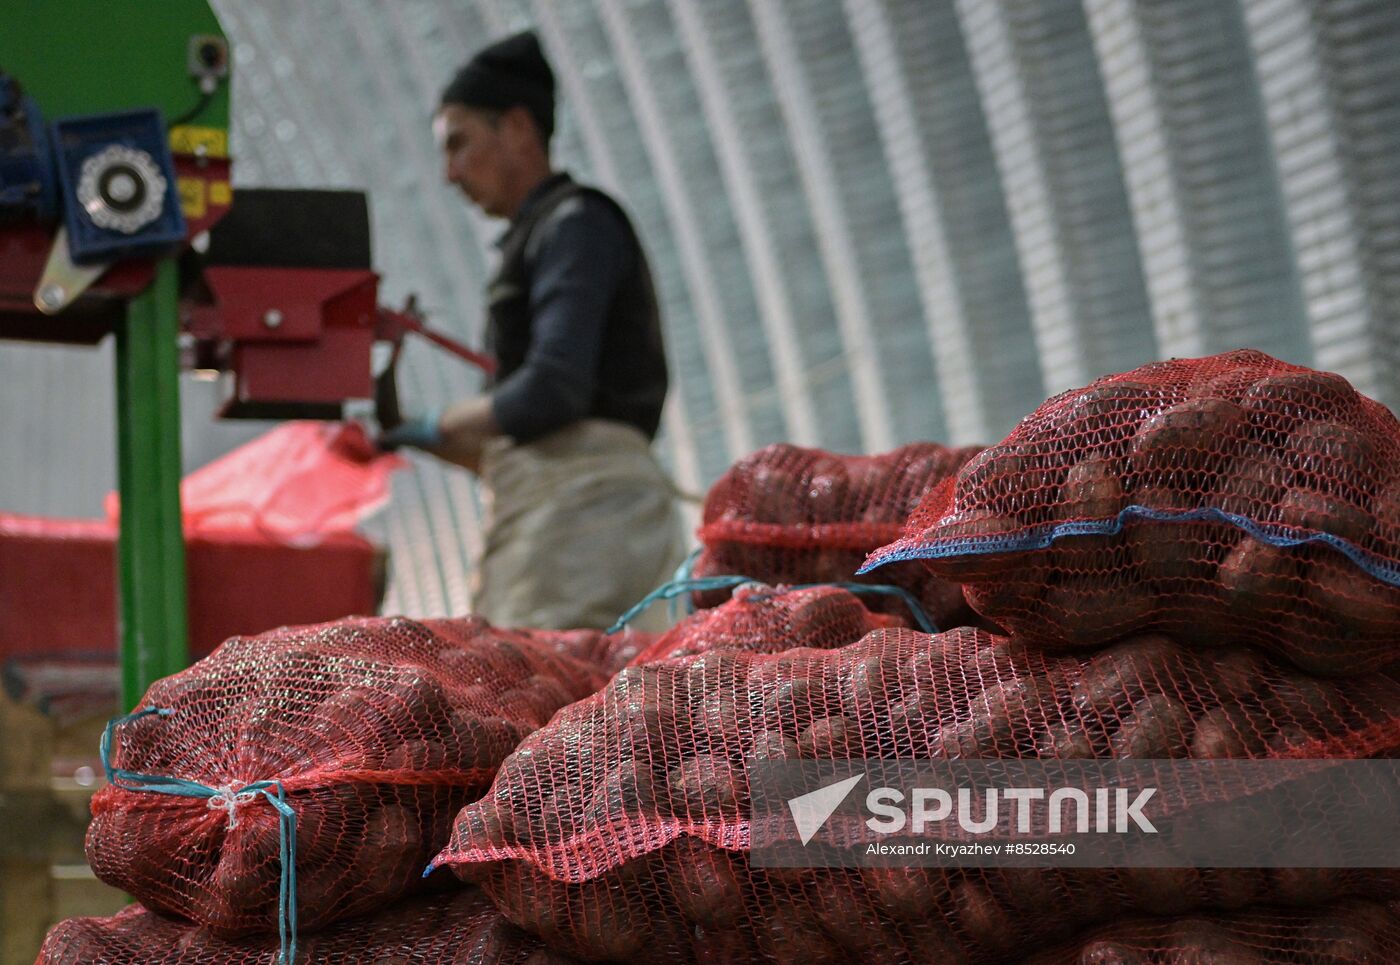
[703, 785]
[1159, 727]
[830, 738]
[1121, 674]
[1191, 436]
[706, 885]
[1089, 614]
[1227, 732]
[982, 919]
[1092, 489]
[1106, 951]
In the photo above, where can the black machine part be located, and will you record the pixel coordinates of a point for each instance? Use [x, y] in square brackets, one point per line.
[292, 228]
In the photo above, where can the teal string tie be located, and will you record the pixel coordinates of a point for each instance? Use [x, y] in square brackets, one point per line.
[916, 609]
[686, 571]
[227, 799]
[675, 588]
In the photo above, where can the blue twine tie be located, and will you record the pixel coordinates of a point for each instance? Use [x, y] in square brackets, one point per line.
[686, 571]
[222, 798]
[1274, 534]
[675, 588]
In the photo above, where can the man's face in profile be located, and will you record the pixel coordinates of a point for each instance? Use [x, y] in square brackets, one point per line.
[475, 156]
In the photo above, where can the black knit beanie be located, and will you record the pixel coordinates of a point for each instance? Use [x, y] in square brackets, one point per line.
[509, 72]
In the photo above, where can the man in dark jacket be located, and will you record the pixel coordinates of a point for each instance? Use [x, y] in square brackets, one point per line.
[581, 519]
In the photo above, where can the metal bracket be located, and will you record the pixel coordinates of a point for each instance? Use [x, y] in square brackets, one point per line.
[63, 281]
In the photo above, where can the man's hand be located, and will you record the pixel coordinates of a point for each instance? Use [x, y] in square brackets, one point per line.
[466, 426]
[422, 432]
[456, 434]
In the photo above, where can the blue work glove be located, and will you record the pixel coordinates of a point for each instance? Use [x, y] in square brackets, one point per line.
[422, 432]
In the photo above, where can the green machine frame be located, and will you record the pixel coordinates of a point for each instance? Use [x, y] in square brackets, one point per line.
[77, 57]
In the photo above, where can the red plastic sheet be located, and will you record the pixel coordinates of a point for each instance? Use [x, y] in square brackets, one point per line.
[295, 484]
[239, 582]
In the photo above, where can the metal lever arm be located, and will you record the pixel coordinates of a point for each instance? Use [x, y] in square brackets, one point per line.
[393, 325]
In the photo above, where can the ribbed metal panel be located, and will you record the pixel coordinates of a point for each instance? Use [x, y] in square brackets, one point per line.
[58, 431]
[1054, 144]
[748, 91]
[1329, 75]
[953, 211]
[1199, 170]
[677, 148]
[755, 236]
[831, 117]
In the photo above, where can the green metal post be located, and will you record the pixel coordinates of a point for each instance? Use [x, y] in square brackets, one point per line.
[151, 545]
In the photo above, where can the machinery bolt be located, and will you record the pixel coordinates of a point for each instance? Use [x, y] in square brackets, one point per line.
[272, 318]
[52, 296]
[122, 187]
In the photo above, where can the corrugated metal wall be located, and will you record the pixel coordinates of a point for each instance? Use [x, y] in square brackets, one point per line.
[871, 221]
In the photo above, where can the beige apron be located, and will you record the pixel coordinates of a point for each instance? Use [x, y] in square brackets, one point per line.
[580, 525]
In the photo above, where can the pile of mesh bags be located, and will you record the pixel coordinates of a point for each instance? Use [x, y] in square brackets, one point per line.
[1098, 536]
[621, 829]
[1198, 559]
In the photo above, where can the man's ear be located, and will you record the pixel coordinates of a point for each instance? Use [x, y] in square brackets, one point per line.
[518, 125]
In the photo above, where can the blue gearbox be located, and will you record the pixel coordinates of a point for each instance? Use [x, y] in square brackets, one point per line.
[117, 182]
[28, 190]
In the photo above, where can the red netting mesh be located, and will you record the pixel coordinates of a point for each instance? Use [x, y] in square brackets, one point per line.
[765, 619]
[379, 730]
[790, 515]
[1261, 453]
[1352, 932]
[456, 928]
[608, 652]
[619, 829]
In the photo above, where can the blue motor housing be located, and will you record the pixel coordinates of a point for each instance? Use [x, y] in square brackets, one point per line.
[28, 187]
[117, 181]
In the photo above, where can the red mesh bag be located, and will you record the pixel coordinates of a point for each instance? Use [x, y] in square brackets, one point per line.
[456, 928]
[791, 515]
[1231, 497]
[620, 829]
[1353, 932]
[765, 619]
[608, 652]
[375, 732]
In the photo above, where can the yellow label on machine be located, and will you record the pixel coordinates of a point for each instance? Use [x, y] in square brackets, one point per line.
[191, 191]
[208, 141]
[220, 194]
